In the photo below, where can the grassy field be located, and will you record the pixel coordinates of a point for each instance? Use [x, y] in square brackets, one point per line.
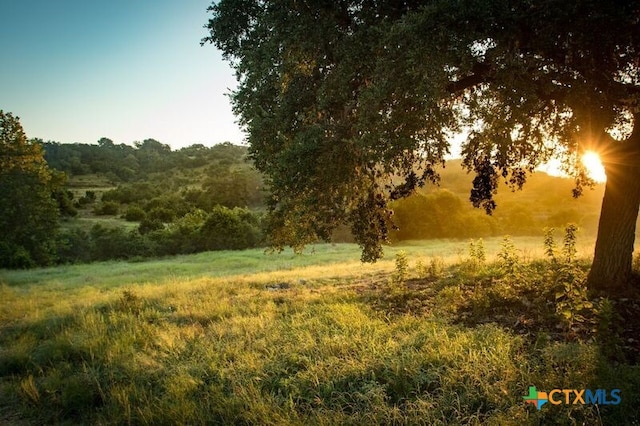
[455, 337]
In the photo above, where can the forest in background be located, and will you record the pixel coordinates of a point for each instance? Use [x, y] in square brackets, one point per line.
[147, 200]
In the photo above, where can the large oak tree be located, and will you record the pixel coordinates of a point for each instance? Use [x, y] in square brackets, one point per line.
[351, 103]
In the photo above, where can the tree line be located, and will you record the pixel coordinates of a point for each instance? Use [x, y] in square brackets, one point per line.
[149, 200]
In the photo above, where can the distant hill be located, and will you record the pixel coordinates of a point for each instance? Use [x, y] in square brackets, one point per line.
[444, 211]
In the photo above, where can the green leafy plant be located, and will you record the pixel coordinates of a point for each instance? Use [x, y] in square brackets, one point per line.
[432, 270]
[572, 301]
[608, 329]
[569, 243]
[550, 244]
[477, 252]
[401, 268]
[508, 256]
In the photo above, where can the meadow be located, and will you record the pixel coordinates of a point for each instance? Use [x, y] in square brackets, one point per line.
[440, 332]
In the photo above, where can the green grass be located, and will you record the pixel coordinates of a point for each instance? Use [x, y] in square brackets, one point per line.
[89, 221]
[252, 338]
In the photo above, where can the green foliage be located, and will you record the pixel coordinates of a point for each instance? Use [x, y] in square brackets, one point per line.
[28, 209]
[167, 192]
[62, 196]
[609, 330]
[149, 225]
[569, 243]
[344, 115]
[134, 214]
[161, 214]
[550, 244]
[572, 301]
[197, 231]
[132, 193]
[107, 208]
[401, 268]
[436, 268]
[74, 246]
[508, 255]
[571, 295]
[225, 228]
[477, 253]
[228, 179]
[116, 243]
[88, 198]
[441, 214]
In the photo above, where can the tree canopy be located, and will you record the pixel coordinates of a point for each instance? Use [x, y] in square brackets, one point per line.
[28, 213]
[350, 104]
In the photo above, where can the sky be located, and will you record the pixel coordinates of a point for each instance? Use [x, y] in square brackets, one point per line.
[128, 70]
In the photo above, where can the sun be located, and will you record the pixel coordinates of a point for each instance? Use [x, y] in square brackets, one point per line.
[595, 169]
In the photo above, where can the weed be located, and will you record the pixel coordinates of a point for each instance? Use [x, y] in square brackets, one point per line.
[422, 269]
[550, 245]
[30, 390]
[508, 256]
[130, 302]
[401, 268]
[477, 253]
[569, 243]
[608, 330]
[572, 301]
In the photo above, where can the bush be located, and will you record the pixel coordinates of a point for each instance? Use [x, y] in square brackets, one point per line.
[183, 234]
[116, 243]
[15, 257]
[135, 214]
[149, 225]
[162, 214]
[89, 197]
[230, 229]
[74, 246]
[107, 208]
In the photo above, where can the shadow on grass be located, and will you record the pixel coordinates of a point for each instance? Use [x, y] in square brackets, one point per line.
[528, 303]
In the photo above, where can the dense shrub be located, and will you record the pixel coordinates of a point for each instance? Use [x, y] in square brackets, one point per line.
[15, 257]
[74, 246]
[162, 214]
[149, 225]
[183, 235]
[88, 198]
[107, 208]
[132, 193]
[233, 229]
[134, 214]
[117, 243]
[221, 229]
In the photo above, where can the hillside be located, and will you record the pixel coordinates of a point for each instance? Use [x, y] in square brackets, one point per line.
[148, 200]
[444, 211]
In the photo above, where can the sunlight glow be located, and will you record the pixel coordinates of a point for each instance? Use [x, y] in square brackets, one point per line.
[595, 169]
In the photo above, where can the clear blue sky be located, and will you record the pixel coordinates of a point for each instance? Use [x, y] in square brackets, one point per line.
[79, 70]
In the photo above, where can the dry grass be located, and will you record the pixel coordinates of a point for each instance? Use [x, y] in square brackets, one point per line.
[286, 340]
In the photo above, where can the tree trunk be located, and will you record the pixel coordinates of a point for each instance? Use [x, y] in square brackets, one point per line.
[611, 271]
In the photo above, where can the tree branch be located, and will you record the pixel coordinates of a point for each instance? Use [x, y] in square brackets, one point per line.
[480, 73]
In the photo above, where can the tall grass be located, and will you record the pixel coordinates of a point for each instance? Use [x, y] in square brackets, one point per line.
[297, 340]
